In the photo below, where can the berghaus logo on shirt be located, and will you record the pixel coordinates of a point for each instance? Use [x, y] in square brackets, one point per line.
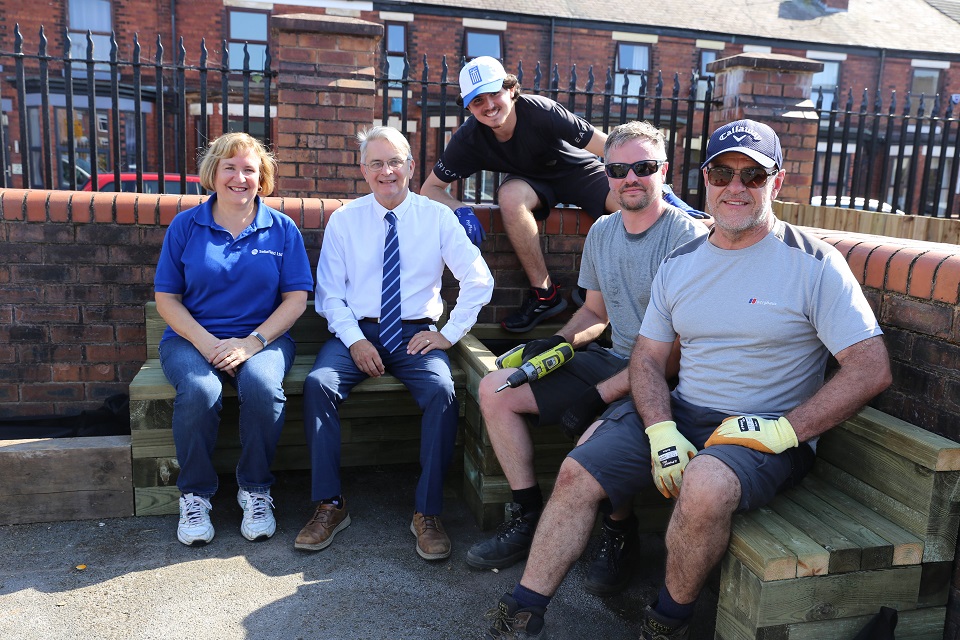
[269, 252]
[761, 302]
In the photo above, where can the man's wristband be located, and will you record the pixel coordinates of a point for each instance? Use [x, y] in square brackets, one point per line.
[259, 336]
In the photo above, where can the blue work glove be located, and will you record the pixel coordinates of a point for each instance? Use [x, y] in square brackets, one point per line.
[673, 199]
[471, 224]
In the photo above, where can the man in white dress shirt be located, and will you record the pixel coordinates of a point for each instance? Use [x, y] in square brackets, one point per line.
[350, 277]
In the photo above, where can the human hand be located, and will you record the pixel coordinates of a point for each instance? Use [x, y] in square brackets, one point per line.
[669, 454]
[471, 224]
[426, 341]
[582, 413]
[227, 355]
[367, 358]
[536, 347]
[754, 432]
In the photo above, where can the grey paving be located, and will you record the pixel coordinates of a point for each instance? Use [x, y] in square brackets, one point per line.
[139, 582]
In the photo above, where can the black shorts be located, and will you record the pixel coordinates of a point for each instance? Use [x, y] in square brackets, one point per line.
[589, 365]
[617, 455]
[587, 189]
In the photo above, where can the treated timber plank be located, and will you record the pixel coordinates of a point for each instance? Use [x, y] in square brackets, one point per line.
[885, 470]
[157, 501]
[844, 554]
[918, 624]
[752, 544]
[812, 559]
[910, 441]
[907, 548]
[46, 480]
[875, 552]
[937, 529]
[756, 604]
[935, 580]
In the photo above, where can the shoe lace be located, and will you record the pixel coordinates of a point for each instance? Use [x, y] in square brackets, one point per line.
[610, 546]
[258, 506]
[429, 522]
[194, 506]
[502, 621]
[515, 523]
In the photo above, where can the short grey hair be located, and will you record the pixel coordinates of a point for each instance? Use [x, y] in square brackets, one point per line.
[381, 132]
[634, 130]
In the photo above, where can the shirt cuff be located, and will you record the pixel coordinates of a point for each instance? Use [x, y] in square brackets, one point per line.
[351, 335]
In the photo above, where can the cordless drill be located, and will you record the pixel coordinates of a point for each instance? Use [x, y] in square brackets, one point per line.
[537, 366]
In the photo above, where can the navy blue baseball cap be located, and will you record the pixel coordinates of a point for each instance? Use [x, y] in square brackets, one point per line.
[749, 137]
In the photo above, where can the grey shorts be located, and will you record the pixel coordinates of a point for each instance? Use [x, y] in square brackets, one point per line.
[589, 365]
[618, 456]
[587, 189]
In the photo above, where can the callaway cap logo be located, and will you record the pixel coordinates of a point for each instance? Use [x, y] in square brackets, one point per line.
[744, 131]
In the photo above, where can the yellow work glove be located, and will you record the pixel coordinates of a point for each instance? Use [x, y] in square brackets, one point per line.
[754, 432]
[669, 454]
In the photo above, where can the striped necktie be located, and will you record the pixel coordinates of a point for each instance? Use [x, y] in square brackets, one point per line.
[390, 328]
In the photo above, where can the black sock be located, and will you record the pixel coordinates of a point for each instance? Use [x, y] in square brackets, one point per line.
[527, 598]
[670, 608]
[548, 292]
[336, 501]
[622, 526]
[529, 499]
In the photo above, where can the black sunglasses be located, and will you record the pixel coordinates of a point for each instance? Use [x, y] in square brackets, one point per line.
[641, 168]
[751, 177]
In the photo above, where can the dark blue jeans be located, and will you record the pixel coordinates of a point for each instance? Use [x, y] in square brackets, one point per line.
[427, 377]
[196, 412]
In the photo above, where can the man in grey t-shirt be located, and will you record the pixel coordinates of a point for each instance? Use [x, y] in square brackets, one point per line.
[758, 306]
[620, 258]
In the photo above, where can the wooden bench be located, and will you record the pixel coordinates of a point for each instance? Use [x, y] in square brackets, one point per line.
[874, 524]
[380, 419]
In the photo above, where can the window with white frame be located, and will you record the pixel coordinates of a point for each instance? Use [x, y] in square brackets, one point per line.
[925, 81]
[706, 57]
[826, 82]
[395, 48]
[247, 28]
[95, 16]
[478, 43]
[633, 60]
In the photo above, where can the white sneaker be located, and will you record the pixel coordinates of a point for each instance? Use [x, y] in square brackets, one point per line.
[195, 526]
[258, 522]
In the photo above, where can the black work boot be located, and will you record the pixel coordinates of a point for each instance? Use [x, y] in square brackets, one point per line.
[659, 627]
[509, 545]
[510, 621]
[537, 308]
[611, 569]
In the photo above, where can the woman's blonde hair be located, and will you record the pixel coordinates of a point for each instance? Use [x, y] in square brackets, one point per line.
[227, 146]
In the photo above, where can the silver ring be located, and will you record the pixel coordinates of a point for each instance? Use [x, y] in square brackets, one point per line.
[428, 342]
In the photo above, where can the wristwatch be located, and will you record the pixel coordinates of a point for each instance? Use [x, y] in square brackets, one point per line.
[259, 336]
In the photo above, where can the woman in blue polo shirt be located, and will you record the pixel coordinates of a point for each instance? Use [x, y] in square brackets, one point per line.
[233, 277]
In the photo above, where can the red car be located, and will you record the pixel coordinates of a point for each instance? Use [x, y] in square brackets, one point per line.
[128, 183]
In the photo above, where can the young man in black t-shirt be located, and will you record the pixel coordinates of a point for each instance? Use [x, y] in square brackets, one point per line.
[548, 156]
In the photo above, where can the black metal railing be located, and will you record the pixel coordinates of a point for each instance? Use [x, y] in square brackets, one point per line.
[684, 114]
[881, 160]
[121, 99]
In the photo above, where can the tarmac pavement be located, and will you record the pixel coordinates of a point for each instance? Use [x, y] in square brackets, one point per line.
[129, 578]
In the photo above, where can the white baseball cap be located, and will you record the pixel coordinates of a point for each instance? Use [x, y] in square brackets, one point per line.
[481, 75]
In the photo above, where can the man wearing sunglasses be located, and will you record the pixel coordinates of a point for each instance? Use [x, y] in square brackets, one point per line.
[759, 306]
[620, 257]
[546, 155]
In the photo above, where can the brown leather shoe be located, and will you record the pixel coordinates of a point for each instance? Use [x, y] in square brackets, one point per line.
[432, 540]
[326, 522]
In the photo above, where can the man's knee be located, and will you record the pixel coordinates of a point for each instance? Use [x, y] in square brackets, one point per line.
[575, 482]
[710, 485]
[322, 380]
[516, 197]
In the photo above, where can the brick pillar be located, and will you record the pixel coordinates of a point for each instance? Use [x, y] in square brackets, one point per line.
[326, 93]
[774, 89]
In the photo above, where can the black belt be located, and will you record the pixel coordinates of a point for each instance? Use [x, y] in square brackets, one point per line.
[414, 321]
